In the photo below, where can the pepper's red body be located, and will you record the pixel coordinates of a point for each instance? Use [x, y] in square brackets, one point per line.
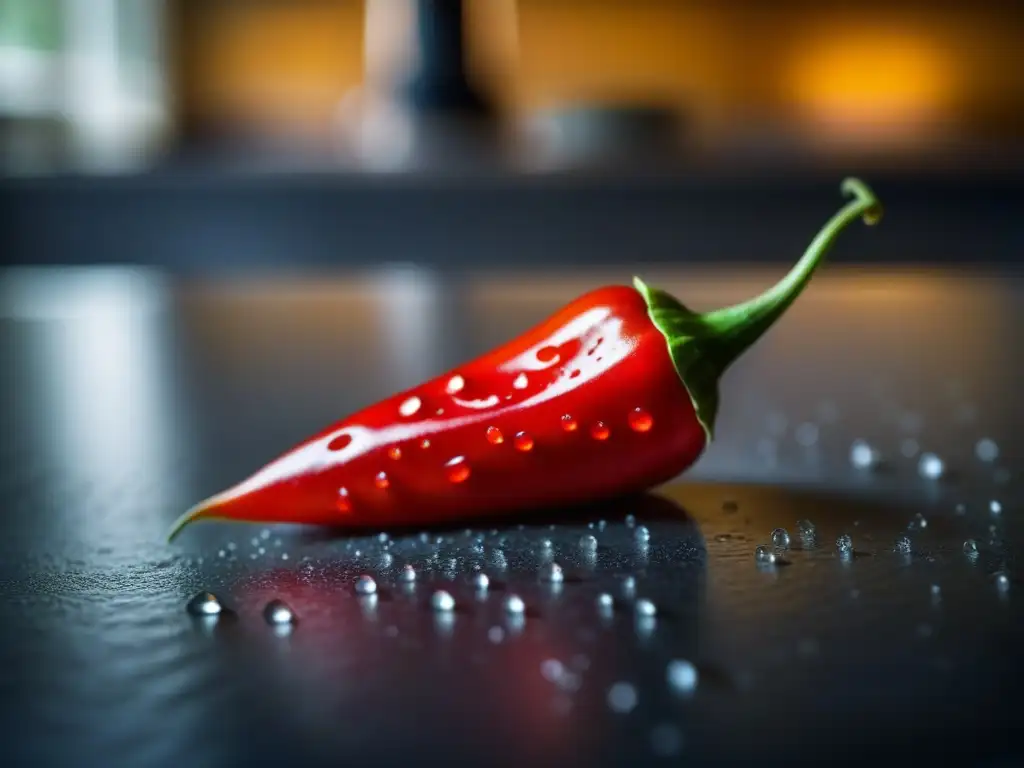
[615, 393]
[585, 405]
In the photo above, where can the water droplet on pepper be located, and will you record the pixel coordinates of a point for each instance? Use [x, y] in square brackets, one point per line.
[547, 354]
[569, 423]
[410, 406]
[640, 420]
[204, 604]
[494, 436]
[600, 431]
[339, 443]
[343, 503]
[458, 469]
[395, 452]
[381, 480]
[523, 442]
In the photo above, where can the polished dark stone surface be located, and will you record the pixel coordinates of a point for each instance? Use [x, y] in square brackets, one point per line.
[126, 396]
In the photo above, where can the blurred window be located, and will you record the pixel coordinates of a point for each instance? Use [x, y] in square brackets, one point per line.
[82, 84]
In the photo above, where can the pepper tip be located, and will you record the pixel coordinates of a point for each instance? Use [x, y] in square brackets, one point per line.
[194, 513]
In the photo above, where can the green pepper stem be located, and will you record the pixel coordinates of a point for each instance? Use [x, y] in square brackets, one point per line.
[703, 346]
[735, 329]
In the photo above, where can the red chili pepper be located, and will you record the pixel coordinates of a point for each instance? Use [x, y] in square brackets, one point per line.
[615, 393]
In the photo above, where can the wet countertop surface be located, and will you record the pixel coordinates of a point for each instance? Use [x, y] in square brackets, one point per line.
[126, 396]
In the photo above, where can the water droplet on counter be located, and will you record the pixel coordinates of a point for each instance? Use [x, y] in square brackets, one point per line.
[277, 613]
[552, 670]
[381, 480]
[262, 551]
[494, 436]
[588, 542]
[936, 591]
[806, 434]
[481, 581]
[365, 585]
[780, 538]
[605, 601]
[410, 406]
[645, 607]
[971, 548]
[523, 442]
[863, 456]
[844, 544]
[919, 521]
[806, 529]
[495, 634]
[995, 507]
[442, 601]
[931, 466]
[986, 450]
[682, 676]
[763, 555]
[514, 604]
[569, 423]
[630, 521]
[629, 586]
[642, 533]
[552, 572]
[455, 385]
[600, 431]
[622, 698]
[204, 604]
[457, 469]
[1002, 582]
[408, 574]
[265, 534]
[640, 420]
[902, 545]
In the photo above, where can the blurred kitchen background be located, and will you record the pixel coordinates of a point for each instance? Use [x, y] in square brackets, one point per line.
[223, 134]
[225, 222]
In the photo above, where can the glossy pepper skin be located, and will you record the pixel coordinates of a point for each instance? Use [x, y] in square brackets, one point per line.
[613, 394]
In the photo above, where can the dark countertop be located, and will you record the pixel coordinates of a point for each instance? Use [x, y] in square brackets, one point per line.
[200, 221]
[126, 396]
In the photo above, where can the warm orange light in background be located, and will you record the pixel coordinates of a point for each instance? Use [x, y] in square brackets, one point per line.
[873, 86]
[281, 65]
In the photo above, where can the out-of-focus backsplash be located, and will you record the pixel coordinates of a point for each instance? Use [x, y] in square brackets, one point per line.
[109, 85]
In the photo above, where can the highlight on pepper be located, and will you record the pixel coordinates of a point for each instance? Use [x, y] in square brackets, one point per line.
[615, 393]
